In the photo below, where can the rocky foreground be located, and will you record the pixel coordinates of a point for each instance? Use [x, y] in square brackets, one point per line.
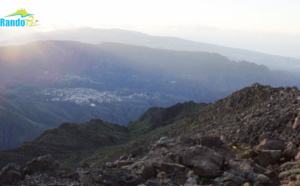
[249, 138]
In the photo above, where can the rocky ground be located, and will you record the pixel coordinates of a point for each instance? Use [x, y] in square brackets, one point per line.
[202, 160]
[249, 138]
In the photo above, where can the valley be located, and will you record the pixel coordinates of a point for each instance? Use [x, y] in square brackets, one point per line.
[47, 83]
[150, 93]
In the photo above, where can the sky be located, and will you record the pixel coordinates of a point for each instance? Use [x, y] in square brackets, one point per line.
[271, 26]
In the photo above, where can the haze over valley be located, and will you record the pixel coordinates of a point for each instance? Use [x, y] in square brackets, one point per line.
[72, 81]
[166, 92]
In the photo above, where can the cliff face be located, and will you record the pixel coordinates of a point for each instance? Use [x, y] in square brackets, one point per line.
[248, 138]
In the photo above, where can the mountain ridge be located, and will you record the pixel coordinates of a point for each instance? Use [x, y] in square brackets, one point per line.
[136, 38]
[70, 138]
[61, 79]
[248, 137]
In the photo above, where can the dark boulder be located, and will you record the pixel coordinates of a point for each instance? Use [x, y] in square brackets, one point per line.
[204, 161]
[270, 144]
[210, 141]
[267, 157]
[42, 164]
[11, 173]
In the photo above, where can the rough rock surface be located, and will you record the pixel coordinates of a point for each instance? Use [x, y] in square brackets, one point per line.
[249, 138]
[205, 162]
[11, 173]
[173, 164]
[267, 157]
[269, 144]
[42, 164]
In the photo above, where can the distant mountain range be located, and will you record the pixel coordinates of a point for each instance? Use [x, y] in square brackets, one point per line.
[46, 83]
[96, 36]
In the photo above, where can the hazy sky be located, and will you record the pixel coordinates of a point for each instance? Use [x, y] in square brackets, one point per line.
[271, 26]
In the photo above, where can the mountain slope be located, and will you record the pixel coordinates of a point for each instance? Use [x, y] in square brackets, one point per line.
[250, 137]
[67, 139]
[96, 36]
[84, 140]
[157, 117]
[50, 82]
[253, 113]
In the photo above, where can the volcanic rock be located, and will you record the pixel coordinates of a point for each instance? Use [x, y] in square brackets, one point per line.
[204, 161]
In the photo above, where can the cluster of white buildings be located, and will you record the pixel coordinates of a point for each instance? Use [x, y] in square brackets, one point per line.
[88, 96]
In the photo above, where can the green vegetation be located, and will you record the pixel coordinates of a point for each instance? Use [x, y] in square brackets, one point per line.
[156, 117]
[166, 77]
[96, 142]
[145, 130]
